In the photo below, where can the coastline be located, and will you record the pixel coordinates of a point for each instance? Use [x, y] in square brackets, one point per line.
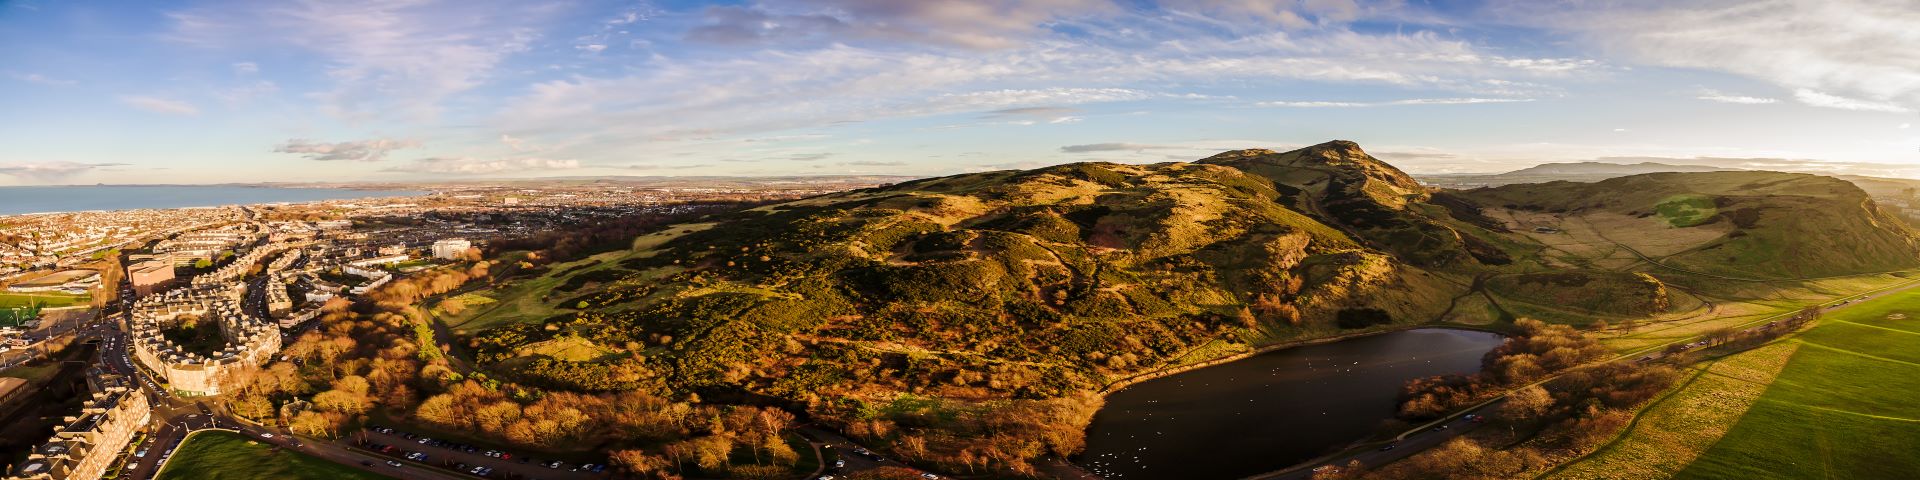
[209, 196]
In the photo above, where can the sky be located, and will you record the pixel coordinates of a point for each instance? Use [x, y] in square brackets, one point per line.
[344, 90]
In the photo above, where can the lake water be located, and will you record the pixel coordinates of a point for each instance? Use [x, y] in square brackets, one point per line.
[1269, 411]
[19, 200]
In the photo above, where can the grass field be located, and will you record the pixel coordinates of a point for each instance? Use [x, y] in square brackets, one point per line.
[48, 299]
[1842, 408]
[226, 455]
[531, 299]
[1672, 431]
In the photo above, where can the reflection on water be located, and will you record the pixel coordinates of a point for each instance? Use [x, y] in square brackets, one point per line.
[1269, 411]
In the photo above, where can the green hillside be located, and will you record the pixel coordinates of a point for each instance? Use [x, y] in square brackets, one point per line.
[1749, 225]
[952, 306]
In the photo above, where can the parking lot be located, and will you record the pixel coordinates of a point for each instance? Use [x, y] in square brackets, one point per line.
[416, 451]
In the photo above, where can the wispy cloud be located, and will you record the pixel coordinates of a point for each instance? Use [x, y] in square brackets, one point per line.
[1822, 99]
[1411, 101]
[382, 57]
[160, 105]
[479, 166]
[1860, 49]
[40, 79]
[874, 163]
[1716, 96]
[52, 170]
[357, 151]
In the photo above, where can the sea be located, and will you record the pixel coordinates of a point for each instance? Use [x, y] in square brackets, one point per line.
[55, 199]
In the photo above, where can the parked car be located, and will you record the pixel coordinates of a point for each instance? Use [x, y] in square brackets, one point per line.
[394, 464]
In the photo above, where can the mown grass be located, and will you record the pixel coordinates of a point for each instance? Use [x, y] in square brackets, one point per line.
[1672, 432]
[47, 300]
[225, 455]
[1842, 408]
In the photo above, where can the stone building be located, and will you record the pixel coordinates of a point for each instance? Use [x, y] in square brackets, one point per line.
[86, 445]
[250, 341]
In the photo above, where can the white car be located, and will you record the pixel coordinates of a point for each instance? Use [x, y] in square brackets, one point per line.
[266, 435]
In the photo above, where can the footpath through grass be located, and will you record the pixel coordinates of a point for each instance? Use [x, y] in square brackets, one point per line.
[1842, 408]
[226, 455]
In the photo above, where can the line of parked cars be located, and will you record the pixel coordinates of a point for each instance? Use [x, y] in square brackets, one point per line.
[463, 447]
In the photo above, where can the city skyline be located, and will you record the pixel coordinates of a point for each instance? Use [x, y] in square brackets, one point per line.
[213, 92]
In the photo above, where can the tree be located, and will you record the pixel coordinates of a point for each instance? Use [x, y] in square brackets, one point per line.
[636, 462]
[1525, 405]
[203, 264]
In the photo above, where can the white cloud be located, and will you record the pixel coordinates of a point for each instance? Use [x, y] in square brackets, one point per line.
[382, 58]
[708, 96]
[977, 24]
[160, 105]
[1905, 126]
[1822, 99]
[246, 68]
[1716, 96]
[477, 166]
[1411, 101]
[357, 151]
[1860, 49]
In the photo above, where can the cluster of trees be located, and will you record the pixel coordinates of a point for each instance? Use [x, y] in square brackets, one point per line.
[1538, 350]
[1566, 417]
[990, 437]
[371, 354]
[376, 355]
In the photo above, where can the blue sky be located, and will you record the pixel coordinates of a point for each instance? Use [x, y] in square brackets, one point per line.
[214, 91]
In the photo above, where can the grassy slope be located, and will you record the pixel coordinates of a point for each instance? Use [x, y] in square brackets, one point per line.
[1673, 431]
[534, 299]
[1754, 222]
[1842, 408]
[215, 455]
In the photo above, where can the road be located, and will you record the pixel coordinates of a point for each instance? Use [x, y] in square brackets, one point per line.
[1424, 436]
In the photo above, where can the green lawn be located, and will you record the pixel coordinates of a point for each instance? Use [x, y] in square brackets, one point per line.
[1842, 408]
[46, 299]
[227, 455]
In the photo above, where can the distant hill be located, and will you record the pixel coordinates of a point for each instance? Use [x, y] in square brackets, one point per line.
[1885, 188]
[1749, 224]
[1603, 168]
[937, 303]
